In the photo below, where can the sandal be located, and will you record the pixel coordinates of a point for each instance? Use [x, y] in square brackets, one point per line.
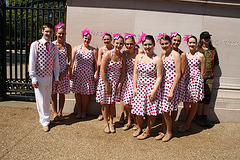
[56, 118]
[61, 117]
[167, 137]
[126, 127]
[136, 133]
[78, 116]
[112, 129]
[144, 135]
[160, 136]
[83, 115]
[106, 129]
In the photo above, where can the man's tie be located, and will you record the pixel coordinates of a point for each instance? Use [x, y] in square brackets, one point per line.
[47, 46]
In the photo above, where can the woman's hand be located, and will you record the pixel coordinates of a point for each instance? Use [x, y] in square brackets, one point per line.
[170, 96]
[152, 96]
[95, 78]
[118, 89]
[61, 77]
[134, 92]
[108, 89]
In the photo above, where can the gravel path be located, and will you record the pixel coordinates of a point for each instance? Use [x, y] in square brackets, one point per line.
[22, 137]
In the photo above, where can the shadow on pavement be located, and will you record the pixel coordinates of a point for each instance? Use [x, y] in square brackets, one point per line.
[71, 119]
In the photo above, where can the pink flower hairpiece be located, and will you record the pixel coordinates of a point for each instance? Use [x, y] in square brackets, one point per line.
[59, 25]
[116, 35]
[187, 36]
[173, 34]
[104, 34]
[160, 36]
[141, 38]
[85, 32]
[128, 35]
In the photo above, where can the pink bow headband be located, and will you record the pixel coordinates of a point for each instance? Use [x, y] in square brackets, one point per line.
[116, 36]
[141, 38]
[85, 32]
[160, 36]
[104, 34]
[59, 25]
[173, 34]
[187, 36]
[128, 35]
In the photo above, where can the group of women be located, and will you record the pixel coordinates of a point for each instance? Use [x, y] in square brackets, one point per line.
[145, 83]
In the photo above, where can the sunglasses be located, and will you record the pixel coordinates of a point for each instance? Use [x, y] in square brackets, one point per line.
[208, 37]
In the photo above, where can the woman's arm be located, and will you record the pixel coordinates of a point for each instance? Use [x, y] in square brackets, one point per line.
[177, 60]
[123, 73]
[135, 74]
[183, 64]
[201, 58]
[159, 66]
[95, 54]
[74, 52]
[69, 55]
[106, 58]
[100, 53]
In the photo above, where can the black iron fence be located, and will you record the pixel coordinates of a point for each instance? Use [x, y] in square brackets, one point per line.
[21, 24]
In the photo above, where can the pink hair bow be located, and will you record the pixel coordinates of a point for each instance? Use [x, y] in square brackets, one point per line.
[187, 36]
[128, 35]
[160, 36]
[59, 25]
[141, 38]
[173, 34]
[116, 35]
[85, 32]
[104, 34]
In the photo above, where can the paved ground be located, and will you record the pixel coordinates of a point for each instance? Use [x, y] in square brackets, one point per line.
[21, 137]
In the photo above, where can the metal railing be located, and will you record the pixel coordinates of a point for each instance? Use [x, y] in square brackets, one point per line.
[23, 25]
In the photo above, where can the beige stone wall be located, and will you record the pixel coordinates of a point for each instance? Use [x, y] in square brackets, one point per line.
[220, 18]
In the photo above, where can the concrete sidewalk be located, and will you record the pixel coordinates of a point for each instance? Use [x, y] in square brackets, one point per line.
[21, 137]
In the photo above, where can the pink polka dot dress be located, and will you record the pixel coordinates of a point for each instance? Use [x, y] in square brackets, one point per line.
[169, 73]
[113, 73]
[83, 73]
[64, 85]
[127, 87]
[147, 76]
[194, 80]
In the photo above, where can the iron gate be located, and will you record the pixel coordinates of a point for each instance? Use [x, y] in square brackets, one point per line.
[23, 20]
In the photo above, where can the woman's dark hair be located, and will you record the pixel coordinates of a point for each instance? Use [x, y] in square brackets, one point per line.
[176, 36]
[149, 37]
[192, 37]
[166, 37]
[107, 34]
[200, 44]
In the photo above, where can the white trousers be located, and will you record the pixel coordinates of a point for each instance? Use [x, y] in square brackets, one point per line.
[43, 97]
